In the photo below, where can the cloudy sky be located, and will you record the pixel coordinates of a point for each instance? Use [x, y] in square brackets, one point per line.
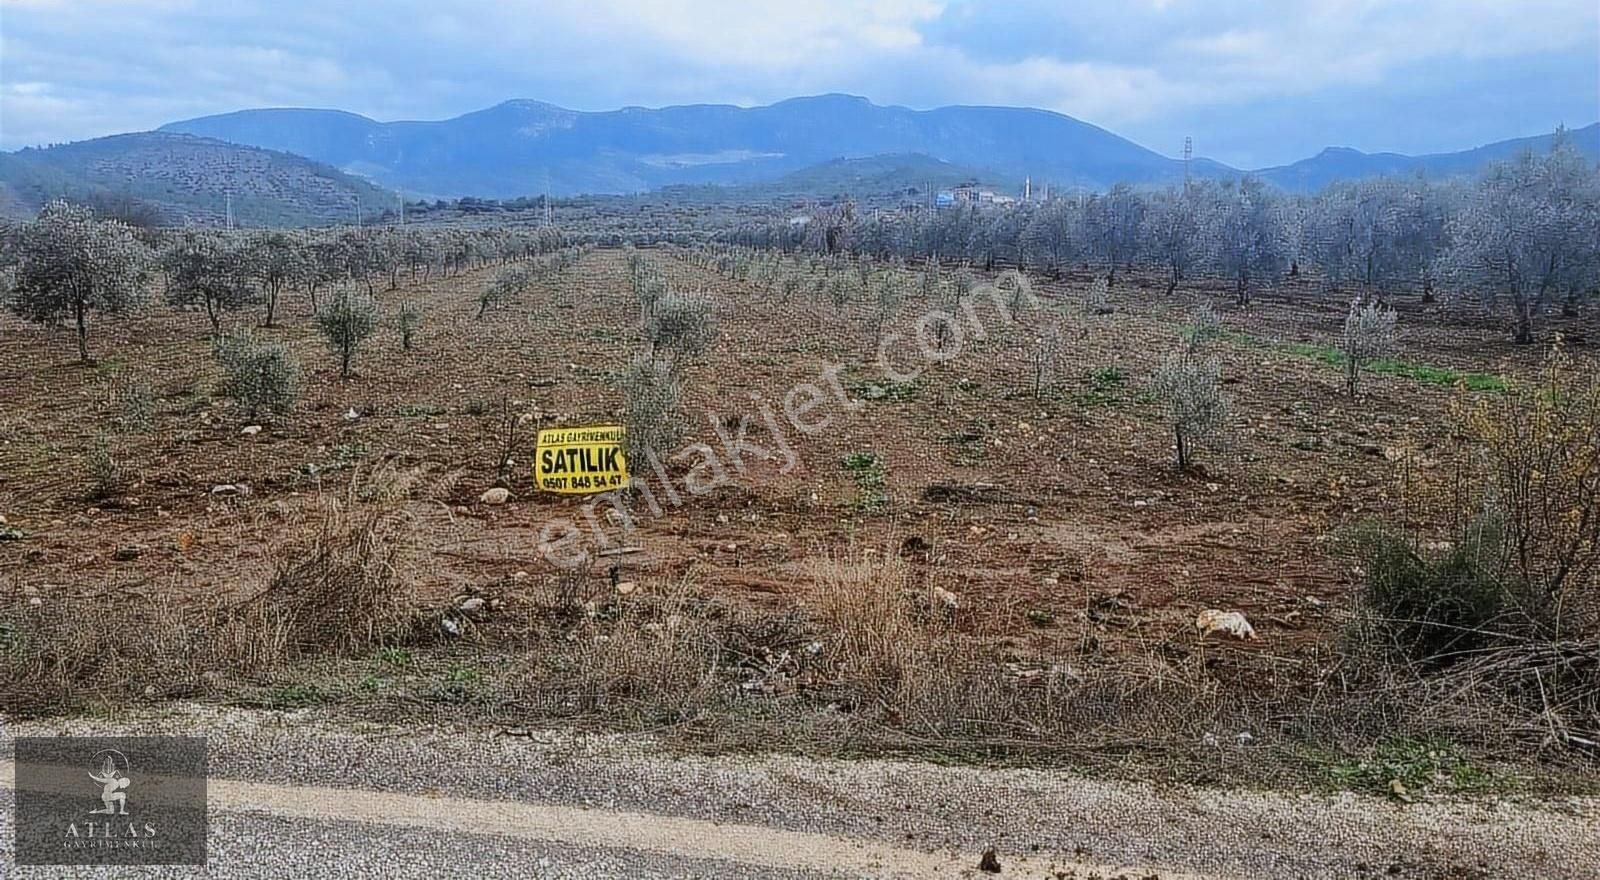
[1255, 82]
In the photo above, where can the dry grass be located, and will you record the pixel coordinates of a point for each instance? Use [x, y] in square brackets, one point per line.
[337, 590]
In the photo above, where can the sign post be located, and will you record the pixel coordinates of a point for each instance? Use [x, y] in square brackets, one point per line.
[580, 461]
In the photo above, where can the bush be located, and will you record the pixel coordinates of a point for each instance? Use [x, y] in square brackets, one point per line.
[107, 476]
[681, 323]
[257, 375]
[408, 321]
[507, 284]
[652, 403]
[1097, 299]
[1190, 387]
[1437, 609]
[1368, 334]
[1204, 326]
[1538, 471]
[346, 321]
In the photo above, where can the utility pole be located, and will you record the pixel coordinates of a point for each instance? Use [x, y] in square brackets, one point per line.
[358, 211]
[1188, 151]
[227, 200]
[401, 198]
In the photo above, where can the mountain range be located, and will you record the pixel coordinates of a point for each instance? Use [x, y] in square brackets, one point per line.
[307, 165]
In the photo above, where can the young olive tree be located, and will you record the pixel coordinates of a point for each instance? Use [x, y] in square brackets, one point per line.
[652, 409]
[1189, 384]
[681, 323]
[257, 375]
[1368, 334]
[408, 320]
[346, 321]
[70, 264]
[506, 285]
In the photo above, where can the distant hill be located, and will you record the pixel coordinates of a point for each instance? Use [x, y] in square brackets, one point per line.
[1343, 163]
[175, 179]
[515, 148]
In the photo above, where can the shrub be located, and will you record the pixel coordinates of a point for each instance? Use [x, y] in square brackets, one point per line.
[652, 404]
[1368, 334]
[346, 321]
[107, 477]
[1435, 609]
[681, 323]
[1018, 289]
[257, 375]
[1204, 326]
[130, 402]
[408, 320]
[1189, 385]
[1096, 300]
[506, 285]
[1538, 455]
[1043, 356]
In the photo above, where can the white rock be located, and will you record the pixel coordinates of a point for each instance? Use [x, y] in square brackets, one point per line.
[949, 599]
[1231, 623]
[625, 588]
[473, 604]
[251, 430]
[351, 413]
[497, 495]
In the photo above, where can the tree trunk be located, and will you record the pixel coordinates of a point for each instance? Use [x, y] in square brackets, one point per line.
[272, 305]
[83, 332]
[1524, 307]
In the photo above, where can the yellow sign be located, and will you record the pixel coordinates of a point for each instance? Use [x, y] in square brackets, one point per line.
[580, 461]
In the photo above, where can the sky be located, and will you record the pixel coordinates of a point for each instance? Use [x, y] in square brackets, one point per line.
[1253, 82]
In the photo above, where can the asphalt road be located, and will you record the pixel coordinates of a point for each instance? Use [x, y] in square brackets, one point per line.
[293, 795]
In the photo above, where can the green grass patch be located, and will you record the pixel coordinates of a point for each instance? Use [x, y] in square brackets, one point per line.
[1332, 356]
[870, 477]
[884, 390]
[1409, 767]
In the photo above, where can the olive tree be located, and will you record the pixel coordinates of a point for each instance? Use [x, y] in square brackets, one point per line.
[1527, 231]
[1170, 235]
[1245, 235]
[277, 261]
[681, 323]
[70, 264]
[1188, 384]
[208, 269]
[346, 321]
[1368, 334]
[257, 375]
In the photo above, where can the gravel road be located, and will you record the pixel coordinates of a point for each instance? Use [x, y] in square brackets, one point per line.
[297, 795]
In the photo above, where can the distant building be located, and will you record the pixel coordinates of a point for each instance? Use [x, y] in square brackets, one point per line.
[944, 199]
